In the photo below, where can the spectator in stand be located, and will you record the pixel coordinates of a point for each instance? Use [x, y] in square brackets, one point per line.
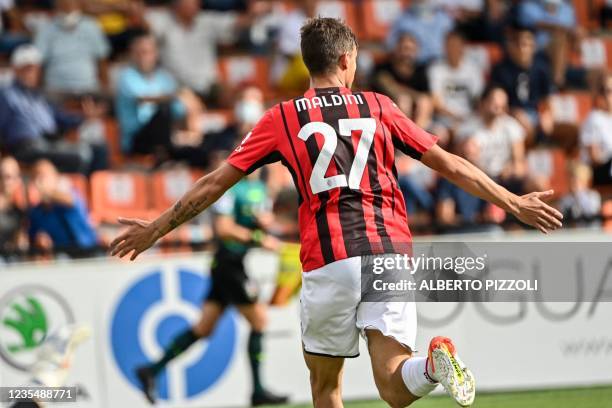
[527, 81]
[428, 24]
[9, 21]
[455, 82]
[556, 25]
[60, 221]
[288, 69]
[149, 105]
[189, 39]
[405, 81]
[456, 209]
[74, 51]
[499, 140]
[248, 109]
[12, 218]
[595, 136]
[31, 128]
[581, 205]
[120, 21]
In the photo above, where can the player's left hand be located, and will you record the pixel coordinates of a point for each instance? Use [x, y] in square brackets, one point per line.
[532, 210]
[137, 238]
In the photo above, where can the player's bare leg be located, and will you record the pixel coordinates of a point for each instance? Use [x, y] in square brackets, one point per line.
[257, 316]
[402, 379]
[388, 356]
[211, 312]
[325, 380]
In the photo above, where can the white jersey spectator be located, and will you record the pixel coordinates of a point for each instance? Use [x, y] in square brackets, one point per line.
[499, 137]
[189, 38]
[455, 82]
[72, 46]
[596, 132]
[494, 141]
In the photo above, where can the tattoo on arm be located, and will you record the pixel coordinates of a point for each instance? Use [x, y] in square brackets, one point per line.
[182, 213]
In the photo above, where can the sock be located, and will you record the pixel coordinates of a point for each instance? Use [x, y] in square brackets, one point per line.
[180, 343]
[255, 350]
[417, 377]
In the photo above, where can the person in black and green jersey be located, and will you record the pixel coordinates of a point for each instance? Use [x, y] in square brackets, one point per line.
[240, 218]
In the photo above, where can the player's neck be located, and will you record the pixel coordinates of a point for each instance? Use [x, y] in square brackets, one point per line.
[331, 81]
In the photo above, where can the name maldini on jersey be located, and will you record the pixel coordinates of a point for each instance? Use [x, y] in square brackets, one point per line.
[327, 100]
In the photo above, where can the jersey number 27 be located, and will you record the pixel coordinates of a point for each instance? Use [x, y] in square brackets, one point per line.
[318, 181]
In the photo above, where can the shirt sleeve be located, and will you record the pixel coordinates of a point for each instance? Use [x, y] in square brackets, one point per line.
[589, 132]
[258, 147]
[515, 130]
[222, 25]
[407, 136]
[99, 44]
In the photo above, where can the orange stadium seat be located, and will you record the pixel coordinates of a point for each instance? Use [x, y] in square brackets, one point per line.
[571, 108]
[113, 140]
[170, 185]
[116, 194]
[377, 16]
[550, 164]
[587, 12]
[240, 70]
[595, 52]
[606, 213]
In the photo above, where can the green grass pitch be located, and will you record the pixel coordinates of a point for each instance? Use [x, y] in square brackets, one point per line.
[600, 397]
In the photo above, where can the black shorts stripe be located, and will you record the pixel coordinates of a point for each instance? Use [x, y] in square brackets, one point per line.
[377, 202]
[325, 239]
[350, 206]
[394, 180]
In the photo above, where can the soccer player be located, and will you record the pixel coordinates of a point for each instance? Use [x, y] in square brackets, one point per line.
[239, 216]
[339, 146]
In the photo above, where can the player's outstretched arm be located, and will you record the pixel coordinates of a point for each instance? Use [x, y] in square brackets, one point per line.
[528, 208]
[141, 234]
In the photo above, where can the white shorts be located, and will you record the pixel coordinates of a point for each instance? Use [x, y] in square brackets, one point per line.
[333, 315]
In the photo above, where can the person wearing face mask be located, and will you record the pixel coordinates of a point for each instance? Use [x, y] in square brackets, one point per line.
[248, 109]
[74, 49]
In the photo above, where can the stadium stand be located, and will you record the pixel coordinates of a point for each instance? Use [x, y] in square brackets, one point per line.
[143, 185]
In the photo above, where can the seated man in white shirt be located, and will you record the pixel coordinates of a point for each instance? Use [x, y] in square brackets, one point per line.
[499, 138]
[455, 82]
[189, 37]
[595, 137]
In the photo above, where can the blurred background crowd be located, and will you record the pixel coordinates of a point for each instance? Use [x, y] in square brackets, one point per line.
[114, 107]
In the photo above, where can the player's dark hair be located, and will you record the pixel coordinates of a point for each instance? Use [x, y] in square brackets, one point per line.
[324, 41]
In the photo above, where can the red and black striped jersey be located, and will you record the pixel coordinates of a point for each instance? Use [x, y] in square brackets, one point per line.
[339, 146]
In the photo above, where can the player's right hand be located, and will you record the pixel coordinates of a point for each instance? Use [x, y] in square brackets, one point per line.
[138, 238]
[535, 212]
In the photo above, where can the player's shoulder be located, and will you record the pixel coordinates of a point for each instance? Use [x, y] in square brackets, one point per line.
[383, 101]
